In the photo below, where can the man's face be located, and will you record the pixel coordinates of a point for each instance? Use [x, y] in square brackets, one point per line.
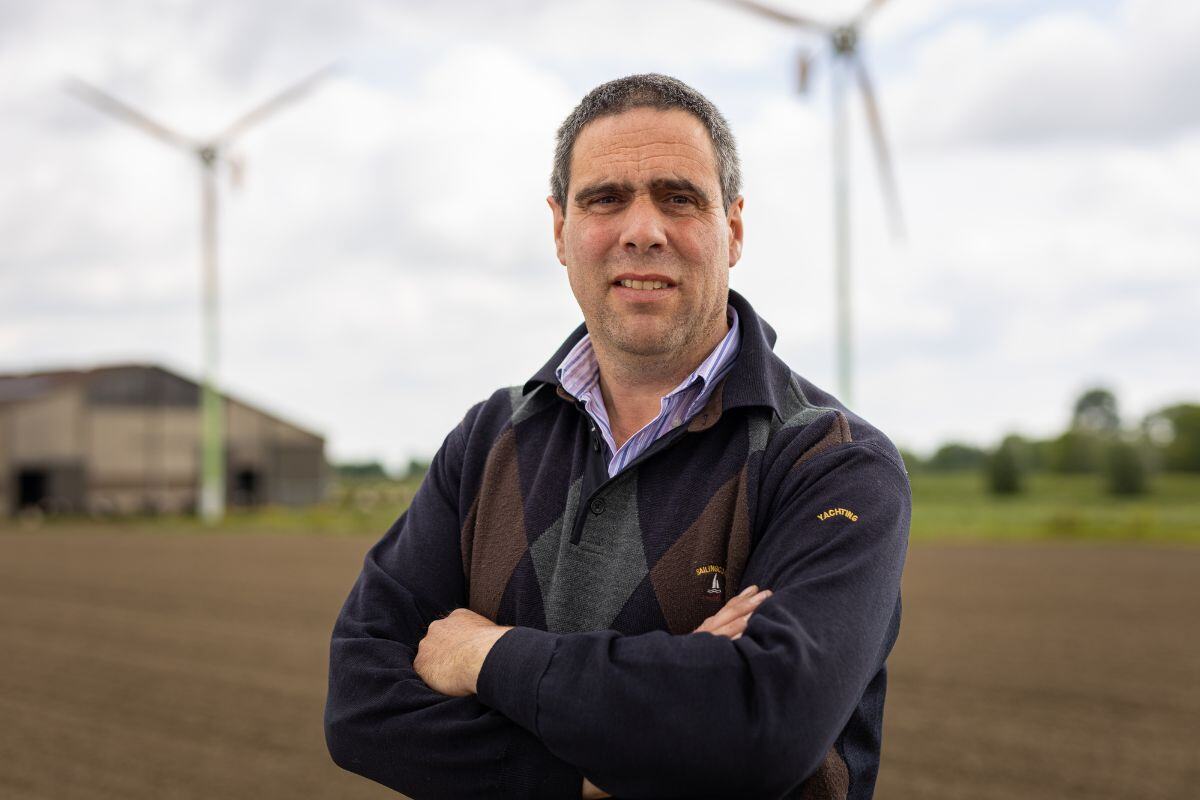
[644, 204]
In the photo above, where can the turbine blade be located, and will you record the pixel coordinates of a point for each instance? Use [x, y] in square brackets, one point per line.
[804, 70]
[867, 12]
[786, 18]
[126, 113]
[266, 109]
[887, 175]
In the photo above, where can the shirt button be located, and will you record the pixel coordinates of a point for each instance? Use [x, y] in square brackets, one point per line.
[597, 506]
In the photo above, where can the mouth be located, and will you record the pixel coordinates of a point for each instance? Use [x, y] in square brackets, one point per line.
[644, 283]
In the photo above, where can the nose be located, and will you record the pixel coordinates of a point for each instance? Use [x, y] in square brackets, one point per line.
[642, 230]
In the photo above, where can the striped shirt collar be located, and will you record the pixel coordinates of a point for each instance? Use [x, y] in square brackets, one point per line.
[579, 374]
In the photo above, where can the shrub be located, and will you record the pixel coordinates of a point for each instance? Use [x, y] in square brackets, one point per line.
[1175, 431]
[1124, 469]
[1004, 469]
[956, 456]
[1075, 452]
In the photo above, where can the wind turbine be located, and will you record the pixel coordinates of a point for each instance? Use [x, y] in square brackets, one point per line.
[847, 65]
[209, 153]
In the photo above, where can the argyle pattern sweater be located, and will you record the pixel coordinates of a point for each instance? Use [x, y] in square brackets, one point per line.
[773, 483]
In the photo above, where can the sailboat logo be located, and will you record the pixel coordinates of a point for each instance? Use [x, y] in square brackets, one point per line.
[711, 580]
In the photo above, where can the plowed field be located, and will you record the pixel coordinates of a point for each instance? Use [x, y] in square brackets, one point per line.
[138, 665]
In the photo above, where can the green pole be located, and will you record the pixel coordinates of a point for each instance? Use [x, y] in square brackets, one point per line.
[212, 470]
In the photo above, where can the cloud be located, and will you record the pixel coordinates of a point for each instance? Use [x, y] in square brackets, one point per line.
[388, 261]
[1061, 76]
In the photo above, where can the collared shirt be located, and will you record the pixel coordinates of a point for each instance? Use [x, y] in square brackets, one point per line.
[579, 374]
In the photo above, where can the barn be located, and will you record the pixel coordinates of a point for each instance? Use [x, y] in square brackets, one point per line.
[126, 439]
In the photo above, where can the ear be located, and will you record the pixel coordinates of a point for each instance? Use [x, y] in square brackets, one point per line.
[734, 219]
[559, 218]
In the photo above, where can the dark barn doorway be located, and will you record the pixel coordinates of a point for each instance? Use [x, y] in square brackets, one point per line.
[32, 488]
[247, 488]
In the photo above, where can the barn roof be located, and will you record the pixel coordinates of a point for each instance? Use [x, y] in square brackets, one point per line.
[27, 386]
[157, 384]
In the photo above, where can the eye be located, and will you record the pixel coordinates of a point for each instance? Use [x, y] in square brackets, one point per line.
[679, 199]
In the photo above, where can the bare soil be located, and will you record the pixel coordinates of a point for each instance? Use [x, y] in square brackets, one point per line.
[138, 665]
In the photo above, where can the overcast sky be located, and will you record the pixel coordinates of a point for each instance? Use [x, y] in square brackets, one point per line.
[387, 260]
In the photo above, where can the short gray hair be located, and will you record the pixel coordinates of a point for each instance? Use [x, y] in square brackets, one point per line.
[647, 91]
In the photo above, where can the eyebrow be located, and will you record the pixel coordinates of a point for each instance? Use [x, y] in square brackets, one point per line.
[679, 185]
[657, 185]
[601, 189]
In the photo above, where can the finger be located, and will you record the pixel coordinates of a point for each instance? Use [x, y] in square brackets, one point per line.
[739, 606]
[734, 608]
[734, 628]
[749, 591]
[747, 606]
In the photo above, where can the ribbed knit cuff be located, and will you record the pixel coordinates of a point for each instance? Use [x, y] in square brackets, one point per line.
[509, 678]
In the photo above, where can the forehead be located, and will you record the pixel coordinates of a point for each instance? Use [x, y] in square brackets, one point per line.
[643, 143]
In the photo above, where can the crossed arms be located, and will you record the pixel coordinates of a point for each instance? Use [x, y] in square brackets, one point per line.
[641, 716]
[451, 656]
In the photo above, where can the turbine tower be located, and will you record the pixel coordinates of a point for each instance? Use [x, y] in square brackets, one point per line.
[846, 66]
[209, 154]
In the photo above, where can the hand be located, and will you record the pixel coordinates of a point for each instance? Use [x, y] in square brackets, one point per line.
[593, 792]
[451, 654]
[733, 617]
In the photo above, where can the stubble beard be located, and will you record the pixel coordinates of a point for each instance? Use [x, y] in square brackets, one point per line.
[672, 338]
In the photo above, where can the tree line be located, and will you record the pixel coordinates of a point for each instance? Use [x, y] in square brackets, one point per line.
[1096, 442]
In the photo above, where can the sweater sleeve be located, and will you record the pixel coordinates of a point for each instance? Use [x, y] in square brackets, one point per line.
[656, 715]
[381, 720]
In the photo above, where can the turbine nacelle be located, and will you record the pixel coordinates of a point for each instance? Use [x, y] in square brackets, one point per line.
[844, 39]
[209, 154]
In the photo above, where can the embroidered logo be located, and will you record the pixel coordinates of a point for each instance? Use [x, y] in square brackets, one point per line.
[712, 578]
[838, 512]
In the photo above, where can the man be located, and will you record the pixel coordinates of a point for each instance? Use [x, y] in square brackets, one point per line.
[571, 605]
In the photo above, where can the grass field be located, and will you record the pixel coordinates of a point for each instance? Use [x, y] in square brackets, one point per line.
[956, 506]
[946, 507]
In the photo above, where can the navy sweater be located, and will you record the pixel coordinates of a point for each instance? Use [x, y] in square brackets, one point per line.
[774, 483]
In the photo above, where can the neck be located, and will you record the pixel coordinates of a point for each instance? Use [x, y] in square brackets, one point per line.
[633, 385]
